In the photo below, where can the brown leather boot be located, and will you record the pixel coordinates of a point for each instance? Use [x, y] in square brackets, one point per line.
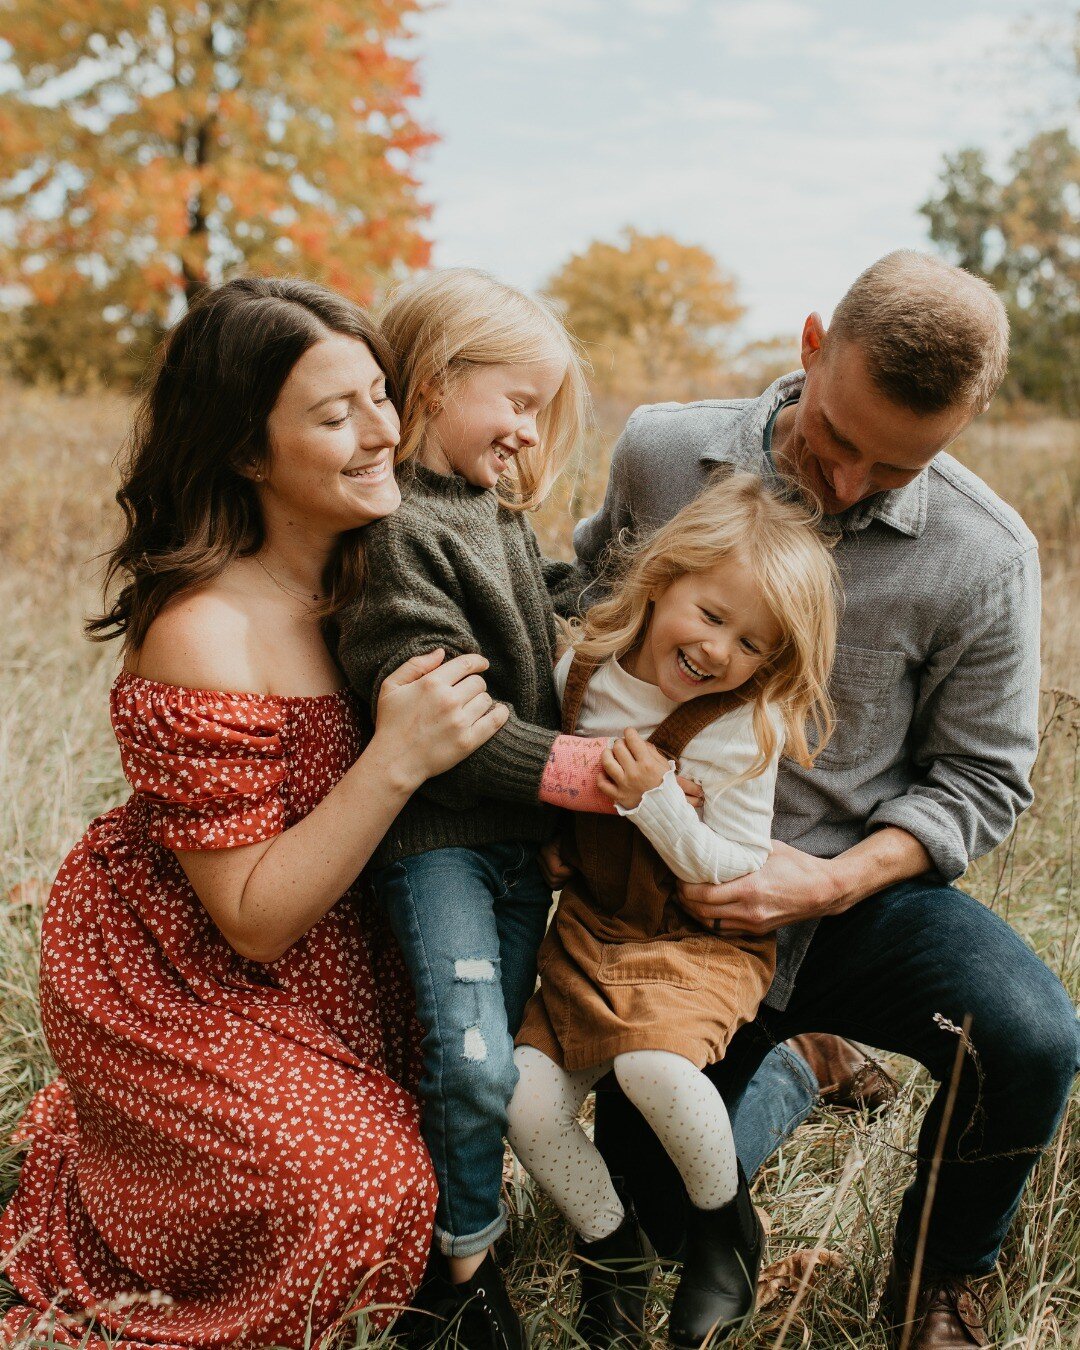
[949, 1314]
[846, 1076]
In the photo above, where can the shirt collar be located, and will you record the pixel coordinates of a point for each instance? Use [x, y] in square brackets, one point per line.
[904, 509]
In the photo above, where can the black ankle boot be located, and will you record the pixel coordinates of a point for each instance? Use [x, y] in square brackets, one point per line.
[488, 1320]
[719, 1281]
[474, 1315]
[615, 1274]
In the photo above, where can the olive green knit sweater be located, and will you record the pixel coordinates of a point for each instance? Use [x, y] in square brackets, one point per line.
[454, 568]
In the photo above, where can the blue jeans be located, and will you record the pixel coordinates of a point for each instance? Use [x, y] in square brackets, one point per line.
[881, 974]
[777, 1100]
[469, 922]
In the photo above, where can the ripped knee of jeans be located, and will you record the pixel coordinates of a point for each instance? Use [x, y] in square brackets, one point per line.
[474, 970]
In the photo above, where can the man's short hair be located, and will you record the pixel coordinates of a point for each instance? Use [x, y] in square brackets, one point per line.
[934, 336]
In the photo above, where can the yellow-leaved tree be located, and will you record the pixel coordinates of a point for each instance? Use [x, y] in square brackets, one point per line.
[654, 314]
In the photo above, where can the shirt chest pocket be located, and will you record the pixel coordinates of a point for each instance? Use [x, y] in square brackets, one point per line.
[863, 686]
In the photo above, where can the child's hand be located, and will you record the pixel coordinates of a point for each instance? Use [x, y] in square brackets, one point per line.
[630, 768]
[555, 871]
[692, 791]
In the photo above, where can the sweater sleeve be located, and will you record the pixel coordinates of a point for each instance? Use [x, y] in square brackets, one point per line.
[733, 837]
[412, 603]
[565, 581]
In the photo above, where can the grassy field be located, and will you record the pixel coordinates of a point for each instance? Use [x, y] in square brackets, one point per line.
[838, 1183]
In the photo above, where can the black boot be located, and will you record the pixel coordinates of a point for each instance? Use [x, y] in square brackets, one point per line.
[615, 1274]
[474, 1315]
[719, 1281]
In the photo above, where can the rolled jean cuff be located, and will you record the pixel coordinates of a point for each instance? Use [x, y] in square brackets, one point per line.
[472, 1242]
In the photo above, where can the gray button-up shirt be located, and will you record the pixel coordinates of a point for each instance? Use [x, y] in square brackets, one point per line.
[936, 679]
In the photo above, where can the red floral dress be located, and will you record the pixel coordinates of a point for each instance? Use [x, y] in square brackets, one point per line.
[228, 1157]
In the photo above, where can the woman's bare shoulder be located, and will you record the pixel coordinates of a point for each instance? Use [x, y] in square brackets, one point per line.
[203, 639]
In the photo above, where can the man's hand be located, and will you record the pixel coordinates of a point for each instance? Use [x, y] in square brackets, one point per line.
[790, 886]
[630, 769]
[793, 885]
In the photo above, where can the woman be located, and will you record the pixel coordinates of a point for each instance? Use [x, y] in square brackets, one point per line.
[228, 1154]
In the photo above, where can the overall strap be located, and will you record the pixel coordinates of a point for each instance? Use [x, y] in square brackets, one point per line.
[684, 722]
[577, 681]
[649, 883]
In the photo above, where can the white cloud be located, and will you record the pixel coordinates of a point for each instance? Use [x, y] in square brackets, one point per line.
[695, 105]
[662, 9]
[795, 145]
[933, 77]
[533, 28]
[758, 25]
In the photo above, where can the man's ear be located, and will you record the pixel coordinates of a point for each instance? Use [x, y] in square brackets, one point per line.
[813, 336]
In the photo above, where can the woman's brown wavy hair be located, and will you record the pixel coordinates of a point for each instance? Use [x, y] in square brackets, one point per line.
[200, 430]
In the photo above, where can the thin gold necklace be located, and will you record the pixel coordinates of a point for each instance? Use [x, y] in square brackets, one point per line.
[288, 590]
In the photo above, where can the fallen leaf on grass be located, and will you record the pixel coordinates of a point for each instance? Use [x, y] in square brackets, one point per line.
[27, 894]
[783, 1278]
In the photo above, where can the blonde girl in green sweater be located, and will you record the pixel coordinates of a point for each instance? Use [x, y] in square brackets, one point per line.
[492, 401]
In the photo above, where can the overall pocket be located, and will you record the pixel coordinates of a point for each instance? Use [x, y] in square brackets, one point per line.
[682, 963]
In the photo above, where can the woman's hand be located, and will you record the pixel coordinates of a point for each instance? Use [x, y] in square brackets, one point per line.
[630, 769]
[432, 713]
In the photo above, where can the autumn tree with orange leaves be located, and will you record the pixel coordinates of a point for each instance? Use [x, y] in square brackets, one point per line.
[148, 150]
[653, 313]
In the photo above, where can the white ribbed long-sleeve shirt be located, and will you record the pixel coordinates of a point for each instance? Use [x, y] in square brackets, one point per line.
[732, 835]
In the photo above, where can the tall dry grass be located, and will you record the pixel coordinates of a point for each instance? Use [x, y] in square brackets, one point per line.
[838, 1182]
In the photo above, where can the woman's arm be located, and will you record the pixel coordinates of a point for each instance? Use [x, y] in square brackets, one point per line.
[265, 896]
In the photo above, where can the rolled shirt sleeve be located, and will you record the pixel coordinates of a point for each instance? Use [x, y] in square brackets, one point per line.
[974, 734]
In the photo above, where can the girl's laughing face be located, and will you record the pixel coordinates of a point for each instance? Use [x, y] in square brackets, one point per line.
[708, 632]
[487, 417]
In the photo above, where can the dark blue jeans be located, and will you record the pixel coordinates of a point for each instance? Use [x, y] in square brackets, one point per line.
[881, 974]
[779, 1097]
[469, 922]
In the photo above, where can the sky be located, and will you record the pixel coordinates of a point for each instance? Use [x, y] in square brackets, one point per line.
[794, 139]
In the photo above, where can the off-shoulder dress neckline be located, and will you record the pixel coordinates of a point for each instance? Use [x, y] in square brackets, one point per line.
[128, 676]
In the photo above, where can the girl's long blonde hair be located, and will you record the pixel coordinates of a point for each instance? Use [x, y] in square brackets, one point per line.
[443, 323]
[776, 537]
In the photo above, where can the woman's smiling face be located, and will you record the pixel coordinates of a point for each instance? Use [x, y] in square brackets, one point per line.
[332, 435]
[708, 632]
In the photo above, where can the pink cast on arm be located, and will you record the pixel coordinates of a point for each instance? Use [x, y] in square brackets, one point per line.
[571, 772]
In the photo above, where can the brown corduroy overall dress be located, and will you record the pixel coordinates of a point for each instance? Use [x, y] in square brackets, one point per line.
[623, 966]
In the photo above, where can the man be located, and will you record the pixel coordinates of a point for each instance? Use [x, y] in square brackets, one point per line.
[935, 689]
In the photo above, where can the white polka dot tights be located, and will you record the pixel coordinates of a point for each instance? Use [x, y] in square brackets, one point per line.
[684, 1109]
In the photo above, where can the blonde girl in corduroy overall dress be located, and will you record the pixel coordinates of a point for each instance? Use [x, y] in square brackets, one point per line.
[712, 653]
